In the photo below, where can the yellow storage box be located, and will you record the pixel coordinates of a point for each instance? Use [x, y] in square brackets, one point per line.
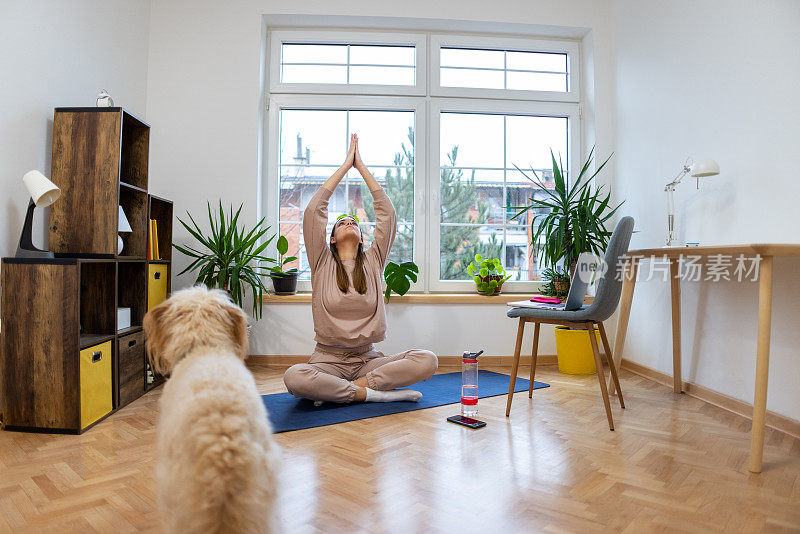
[96, 396]
[574, 350]
[156, 284]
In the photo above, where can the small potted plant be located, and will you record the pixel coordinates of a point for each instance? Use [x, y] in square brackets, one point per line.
[284, 281]
[488, 275]
[556, 282]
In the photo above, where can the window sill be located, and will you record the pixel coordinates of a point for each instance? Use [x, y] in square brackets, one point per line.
[420, 298]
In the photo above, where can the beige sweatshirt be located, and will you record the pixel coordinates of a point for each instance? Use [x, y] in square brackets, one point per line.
[347, 319]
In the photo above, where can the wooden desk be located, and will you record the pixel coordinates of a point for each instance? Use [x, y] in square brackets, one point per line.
[673, 254]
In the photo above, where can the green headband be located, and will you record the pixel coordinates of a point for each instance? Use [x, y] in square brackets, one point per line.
[343, 215]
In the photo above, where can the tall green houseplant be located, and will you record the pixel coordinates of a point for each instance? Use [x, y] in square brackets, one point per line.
[568, 221]
[233, 259]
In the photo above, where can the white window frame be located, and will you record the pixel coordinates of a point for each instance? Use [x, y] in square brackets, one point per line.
[278, 37]
[270, 202]
[438, 105]
[571, 48]
[427, 99]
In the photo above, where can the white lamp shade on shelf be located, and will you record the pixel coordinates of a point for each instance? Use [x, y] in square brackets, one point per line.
[705, 167]
[43, 191]
[123, 225]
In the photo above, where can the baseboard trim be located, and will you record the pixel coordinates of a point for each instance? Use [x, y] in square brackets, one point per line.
[542, 359]
[774, 420]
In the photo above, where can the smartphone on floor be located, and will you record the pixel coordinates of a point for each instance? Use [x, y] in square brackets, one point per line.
[466, 421]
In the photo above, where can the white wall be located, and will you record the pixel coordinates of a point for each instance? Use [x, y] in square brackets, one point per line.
[713, 79]
[663, 81]
[204, 102]
[55, 54]
[58, 54]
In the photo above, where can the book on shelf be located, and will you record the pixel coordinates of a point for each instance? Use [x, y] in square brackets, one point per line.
[152, 245]
[155, 240]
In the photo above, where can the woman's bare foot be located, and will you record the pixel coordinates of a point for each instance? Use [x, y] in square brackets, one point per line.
[361, 393]
[361, 382]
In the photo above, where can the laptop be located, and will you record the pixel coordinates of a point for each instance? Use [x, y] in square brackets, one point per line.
[577, 288]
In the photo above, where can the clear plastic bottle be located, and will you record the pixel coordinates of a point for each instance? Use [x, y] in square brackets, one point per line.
[469, 384]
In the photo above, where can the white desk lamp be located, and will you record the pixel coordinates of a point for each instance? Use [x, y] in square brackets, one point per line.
[123, 226]
[706, 167]
[43, 193]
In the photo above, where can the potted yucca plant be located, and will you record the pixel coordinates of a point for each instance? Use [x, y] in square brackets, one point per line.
[233, 258]
[567, 221]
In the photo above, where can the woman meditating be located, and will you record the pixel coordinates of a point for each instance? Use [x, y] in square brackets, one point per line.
[347, 305]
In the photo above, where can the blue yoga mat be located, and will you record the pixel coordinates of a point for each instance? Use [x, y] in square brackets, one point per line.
[287, 412]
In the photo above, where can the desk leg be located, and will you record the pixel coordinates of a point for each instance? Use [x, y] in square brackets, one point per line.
[675, 286]
[762, 363]
[628, 283]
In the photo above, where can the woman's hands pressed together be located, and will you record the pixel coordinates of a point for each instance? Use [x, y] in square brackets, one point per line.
[349, 160]
[353, 159]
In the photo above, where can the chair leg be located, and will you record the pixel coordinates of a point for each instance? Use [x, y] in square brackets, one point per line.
[599, 364]
[515, 368]
[534, 354]
[610, 360]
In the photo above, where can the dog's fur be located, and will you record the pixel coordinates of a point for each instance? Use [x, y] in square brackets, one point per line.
[217, 466]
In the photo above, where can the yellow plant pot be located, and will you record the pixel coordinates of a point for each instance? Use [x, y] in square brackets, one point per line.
[574, 350]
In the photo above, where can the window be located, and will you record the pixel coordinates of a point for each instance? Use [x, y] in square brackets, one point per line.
[479, 184]
[313, 143]
[503, 69]
[446, 150]
[348, 64]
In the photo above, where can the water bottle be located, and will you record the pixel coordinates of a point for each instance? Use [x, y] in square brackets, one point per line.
[469, 384]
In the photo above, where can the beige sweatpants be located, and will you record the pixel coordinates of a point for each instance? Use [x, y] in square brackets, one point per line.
[329, 374]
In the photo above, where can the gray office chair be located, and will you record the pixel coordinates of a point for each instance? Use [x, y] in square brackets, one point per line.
[605, 302]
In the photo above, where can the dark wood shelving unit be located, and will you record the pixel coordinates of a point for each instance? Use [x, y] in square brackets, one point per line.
[62, 348]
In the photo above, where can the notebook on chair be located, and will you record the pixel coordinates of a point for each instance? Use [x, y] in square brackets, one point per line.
[577, 289]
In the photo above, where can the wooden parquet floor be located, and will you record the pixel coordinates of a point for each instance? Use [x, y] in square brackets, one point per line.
[674, 464]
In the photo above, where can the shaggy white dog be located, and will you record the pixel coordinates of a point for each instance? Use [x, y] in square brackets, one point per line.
[218, 461]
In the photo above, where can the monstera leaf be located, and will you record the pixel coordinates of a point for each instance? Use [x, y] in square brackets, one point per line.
[399, 277]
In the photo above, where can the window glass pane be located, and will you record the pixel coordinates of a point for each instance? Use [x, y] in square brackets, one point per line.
[317, 137]
[294, 235]
[323, 135]
[403, 247]
[536, 61]
[314, 53]
[313, 74]
[460, 243]
[324, 63]
[298, 184]
[382, 75]
[529, 141]
[519, 263]
[486, 197]
[382, 55]
[513, 70]
[471, 140]
[535, 81]
[488, 79]
[459, 57]
[471, 195]
[384, 137]
[398, 184]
